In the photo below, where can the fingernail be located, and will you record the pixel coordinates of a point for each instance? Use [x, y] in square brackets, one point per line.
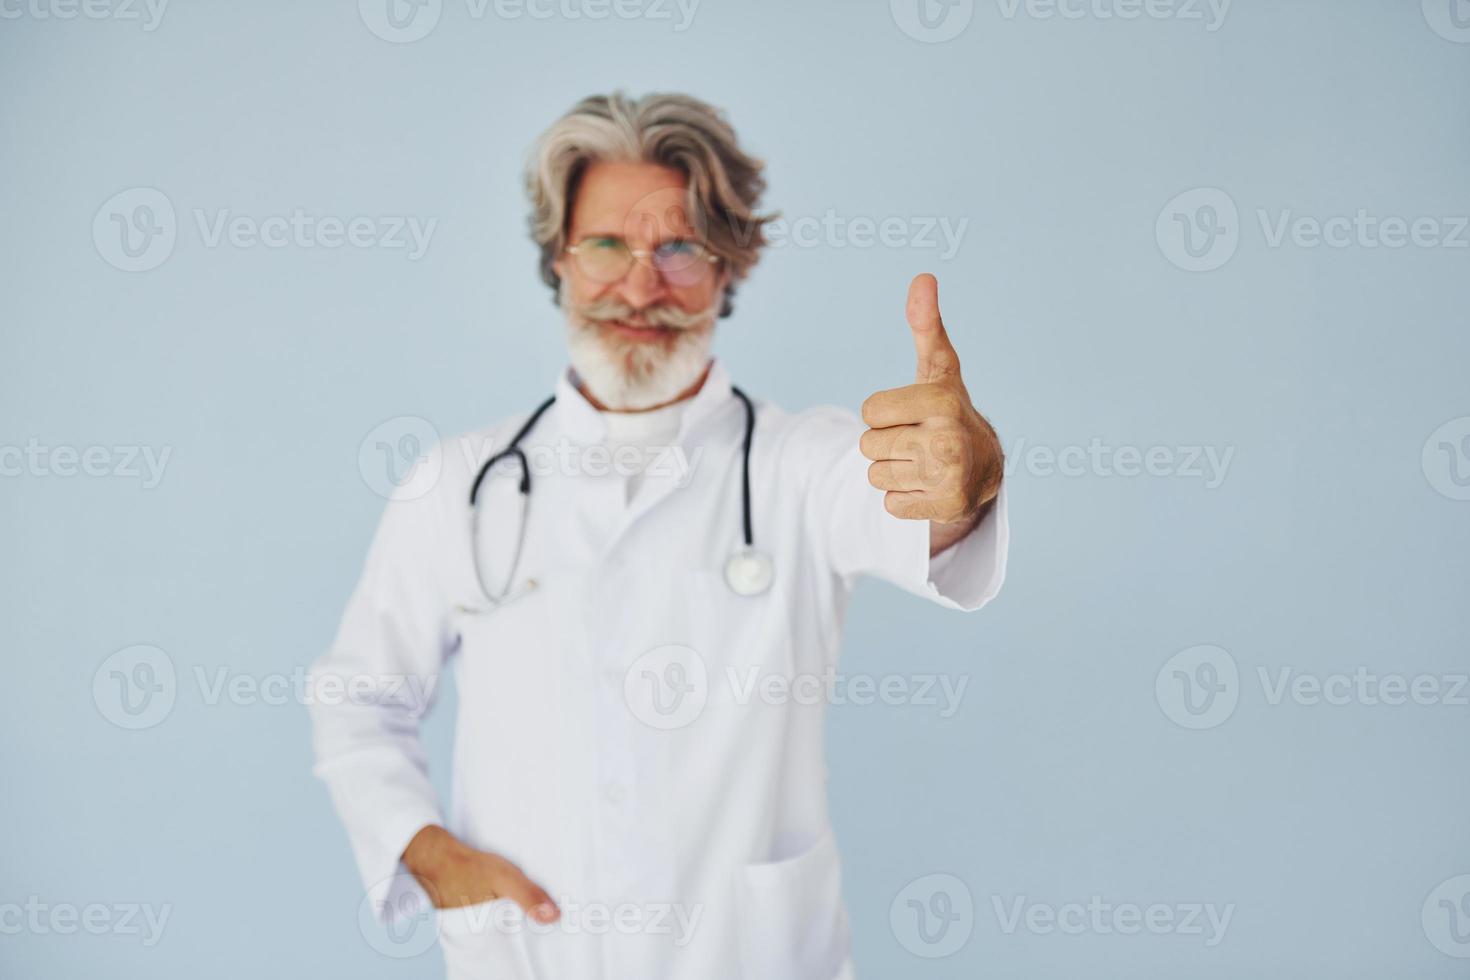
[543, 912]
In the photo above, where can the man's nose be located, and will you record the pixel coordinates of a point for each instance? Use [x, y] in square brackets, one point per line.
[642, 286]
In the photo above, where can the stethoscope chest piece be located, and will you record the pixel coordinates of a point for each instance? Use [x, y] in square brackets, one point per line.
[749, 571]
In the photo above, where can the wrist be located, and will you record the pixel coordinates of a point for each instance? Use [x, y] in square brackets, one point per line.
[429, 850]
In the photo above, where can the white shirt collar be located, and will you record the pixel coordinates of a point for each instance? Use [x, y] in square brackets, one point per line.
[583, 423]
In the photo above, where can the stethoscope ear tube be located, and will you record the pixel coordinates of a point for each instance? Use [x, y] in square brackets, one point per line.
[748, 571]
[514, 448]
[745, 467]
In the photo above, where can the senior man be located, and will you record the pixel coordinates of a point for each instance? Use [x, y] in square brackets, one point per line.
[636, 792]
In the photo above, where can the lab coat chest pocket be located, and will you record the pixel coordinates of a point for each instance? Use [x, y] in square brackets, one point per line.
[509, 673]
[506, 644]
[792, 922]
[745, 641]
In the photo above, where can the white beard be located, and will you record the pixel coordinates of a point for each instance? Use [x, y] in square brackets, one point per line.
[631, 376]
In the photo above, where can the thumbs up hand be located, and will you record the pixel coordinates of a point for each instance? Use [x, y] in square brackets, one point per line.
[937, 457]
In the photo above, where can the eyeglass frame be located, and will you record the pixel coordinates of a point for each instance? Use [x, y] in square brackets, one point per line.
[643, 255]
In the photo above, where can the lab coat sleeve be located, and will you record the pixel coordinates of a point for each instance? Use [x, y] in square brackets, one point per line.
[858, 536]
[371, 689]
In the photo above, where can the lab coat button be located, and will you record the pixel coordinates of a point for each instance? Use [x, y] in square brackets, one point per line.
[614, 793]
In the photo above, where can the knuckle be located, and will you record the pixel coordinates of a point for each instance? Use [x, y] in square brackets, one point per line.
[952, 402]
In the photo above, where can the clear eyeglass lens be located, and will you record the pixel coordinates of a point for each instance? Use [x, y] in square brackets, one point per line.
[604, 259]
[682, 263]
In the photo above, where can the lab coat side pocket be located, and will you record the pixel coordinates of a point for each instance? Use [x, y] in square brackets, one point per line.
[792, 921]
[484, 942]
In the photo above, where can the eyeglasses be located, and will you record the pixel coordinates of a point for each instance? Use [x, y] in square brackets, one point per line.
[604, 258]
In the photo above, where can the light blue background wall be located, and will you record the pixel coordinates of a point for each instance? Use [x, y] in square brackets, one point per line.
[1335, 542]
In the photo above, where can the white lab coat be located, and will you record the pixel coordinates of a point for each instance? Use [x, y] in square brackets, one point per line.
[684, 837]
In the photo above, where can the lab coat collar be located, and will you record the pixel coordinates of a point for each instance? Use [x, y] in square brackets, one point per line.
[580, 422]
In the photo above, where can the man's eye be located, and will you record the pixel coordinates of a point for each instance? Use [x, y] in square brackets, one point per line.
[677, 248]
[611, 244]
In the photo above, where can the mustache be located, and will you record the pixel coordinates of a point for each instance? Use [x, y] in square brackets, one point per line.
[663, 315]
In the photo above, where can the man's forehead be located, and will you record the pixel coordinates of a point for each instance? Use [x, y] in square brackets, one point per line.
[632, 201]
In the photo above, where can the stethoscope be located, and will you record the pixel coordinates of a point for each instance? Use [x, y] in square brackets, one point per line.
[748, 570]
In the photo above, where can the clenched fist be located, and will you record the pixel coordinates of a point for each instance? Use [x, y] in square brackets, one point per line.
[937, 457]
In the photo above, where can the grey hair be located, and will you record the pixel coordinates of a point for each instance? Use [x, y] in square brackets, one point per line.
[668, 129]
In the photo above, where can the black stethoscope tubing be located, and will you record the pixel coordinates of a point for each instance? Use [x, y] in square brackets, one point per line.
[514, 449]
